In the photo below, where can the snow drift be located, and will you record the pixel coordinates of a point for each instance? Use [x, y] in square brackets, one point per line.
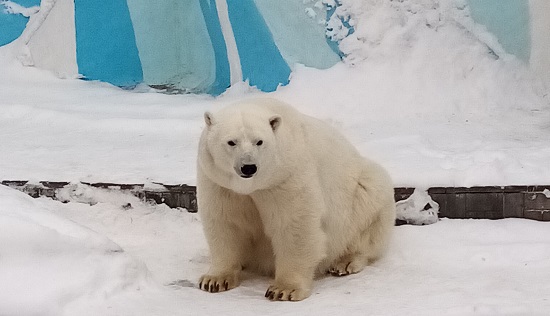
[49, 261]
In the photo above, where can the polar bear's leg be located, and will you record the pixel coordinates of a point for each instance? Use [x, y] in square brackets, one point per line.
[226, 251]
[292, 221]
[225, 218]
[297, 254]
[368, 247]
[374, 199]
[375, 207]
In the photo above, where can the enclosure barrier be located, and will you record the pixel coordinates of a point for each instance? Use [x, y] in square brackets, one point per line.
[489, 202]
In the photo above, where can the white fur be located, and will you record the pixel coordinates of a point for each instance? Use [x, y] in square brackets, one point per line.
[313, 206]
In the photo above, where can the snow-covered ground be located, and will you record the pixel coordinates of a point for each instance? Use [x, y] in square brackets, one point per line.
[67, 259]
[422, 92]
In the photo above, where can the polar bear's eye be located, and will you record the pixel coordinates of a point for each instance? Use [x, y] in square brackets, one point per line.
[231, 143]
[259, 143]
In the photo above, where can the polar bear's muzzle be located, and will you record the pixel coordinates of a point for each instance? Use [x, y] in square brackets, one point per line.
[247, 171]
[246, 166]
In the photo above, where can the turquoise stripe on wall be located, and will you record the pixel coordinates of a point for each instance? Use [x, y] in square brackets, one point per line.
[174, 45]
[105, 43]
[11, 26]
[299, 37]
[508, 20]
[261, 61]
[222, 80]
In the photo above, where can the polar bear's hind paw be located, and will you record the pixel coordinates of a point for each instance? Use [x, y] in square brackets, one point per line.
[346, 266]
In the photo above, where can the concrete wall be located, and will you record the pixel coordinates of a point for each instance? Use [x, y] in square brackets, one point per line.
[165, 33]
[55, 40]
[540, 38]
[194, 46]
[508, 20]
[204, 46]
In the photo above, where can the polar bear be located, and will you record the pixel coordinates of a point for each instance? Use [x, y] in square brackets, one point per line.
[284, 194]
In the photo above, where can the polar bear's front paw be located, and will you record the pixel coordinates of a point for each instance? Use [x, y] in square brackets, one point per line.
[218, 283]
[276, 293]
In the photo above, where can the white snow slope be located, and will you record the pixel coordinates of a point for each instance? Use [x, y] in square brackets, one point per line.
[421, 91]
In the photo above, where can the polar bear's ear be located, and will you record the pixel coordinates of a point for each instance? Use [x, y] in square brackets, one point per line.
[275, 122]
[208, 119]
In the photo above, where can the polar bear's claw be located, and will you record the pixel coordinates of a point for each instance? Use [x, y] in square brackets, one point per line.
[275, 293]
[215, 284]
[346, 267]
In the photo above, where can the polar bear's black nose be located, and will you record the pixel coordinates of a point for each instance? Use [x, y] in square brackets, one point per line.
[248, 170]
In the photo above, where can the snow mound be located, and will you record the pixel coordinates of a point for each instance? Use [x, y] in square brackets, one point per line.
[418, 209]
[82, 193]
[49, 261]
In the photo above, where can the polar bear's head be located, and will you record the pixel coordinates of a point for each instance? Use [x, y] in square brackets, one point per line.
[241, 144]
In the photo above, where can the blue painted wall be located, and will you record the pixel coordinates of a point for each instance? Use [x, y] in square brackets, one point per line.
[12, 25]
[508, 20]
[174, 44]
[300, 38]
[261, 61]
[179, 43]
[105, 43]
[222, 79]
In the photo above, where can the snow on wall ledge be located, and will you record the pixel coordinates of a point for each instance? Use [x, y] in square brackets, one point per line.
[198, 46]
